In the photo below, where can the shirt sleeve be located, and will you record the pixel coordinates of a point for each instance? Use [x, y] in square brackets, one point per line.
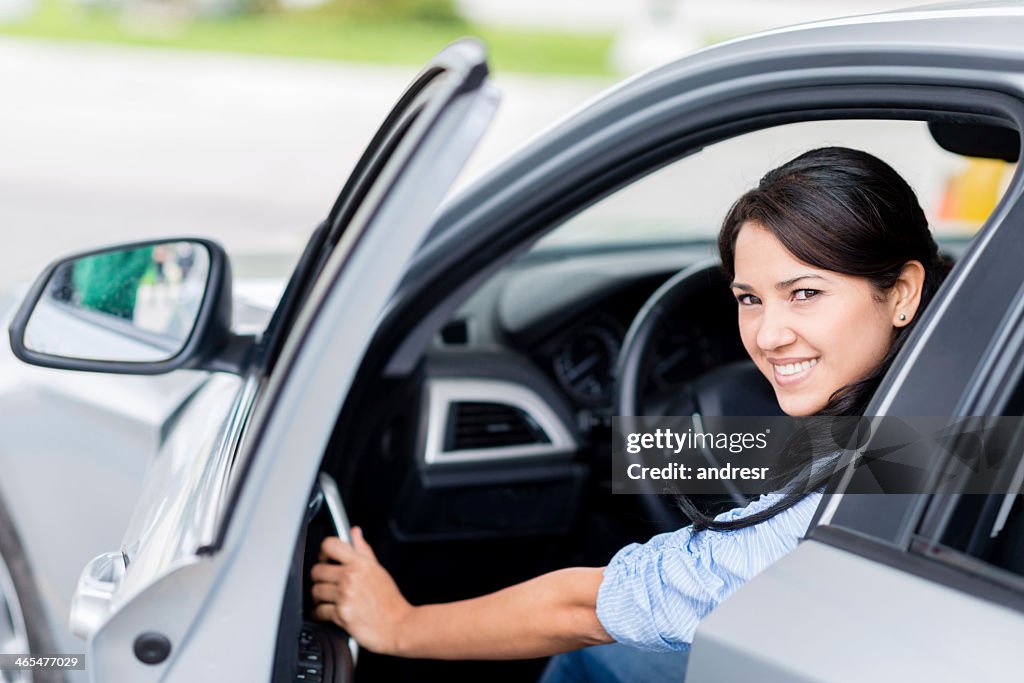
[653, 595]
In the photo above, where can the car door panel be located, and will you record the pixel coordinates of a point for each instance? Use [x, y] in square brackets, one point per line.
[855, 625]
[227, 586]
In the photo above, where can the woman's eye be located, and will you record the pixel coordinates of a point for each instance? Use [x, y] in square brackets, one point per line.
[805, 294]
[747, 300]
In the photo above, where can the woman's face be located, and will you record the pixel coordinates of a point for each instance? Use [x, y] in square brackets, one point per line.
[810, 331]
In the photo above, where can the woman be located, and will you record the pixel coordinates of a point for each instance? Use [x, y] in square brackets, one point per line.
[831, 261]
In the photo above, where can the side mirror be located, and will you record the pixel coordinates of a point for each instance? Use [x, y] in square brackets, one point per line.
[144, 309]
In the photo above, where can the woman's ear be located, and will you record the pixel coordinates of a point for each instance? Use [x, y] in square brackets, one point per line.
[907, 293]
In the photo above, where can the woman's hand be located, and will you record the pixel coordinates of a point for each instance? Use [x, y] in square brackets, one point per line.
[358, 595]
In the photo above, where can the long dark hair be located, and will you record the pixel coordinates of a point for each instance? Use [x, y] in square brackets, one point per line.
[849, 212]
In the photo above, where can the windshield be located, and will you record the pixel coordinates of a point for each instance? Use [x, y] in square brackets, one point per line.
[687, 200]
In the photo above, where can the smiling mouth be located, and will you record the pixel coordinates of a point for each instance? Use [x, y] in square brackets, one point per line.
[791, 373]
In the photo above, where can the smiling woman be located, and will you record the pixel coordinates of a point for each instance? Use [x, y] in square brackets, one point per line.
[831, 260]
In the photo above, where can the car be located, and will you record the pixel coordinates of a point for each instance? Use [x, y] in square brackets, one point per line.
[445, 373]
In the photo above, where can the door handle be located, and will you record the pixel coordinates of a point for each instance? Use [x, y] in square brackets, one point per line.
[90, 605]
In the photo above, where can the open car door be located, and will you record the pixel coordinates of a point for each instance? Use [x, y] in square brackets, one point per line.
[195, 593]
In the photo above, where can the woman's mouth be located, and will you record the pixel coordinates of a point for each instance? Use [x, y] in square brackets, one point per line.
[792, 371]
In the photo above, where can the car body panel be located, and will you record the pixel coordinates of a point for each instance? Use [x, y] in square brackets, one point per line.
[867, 632]
[101, 433]
[126, 421]
[165, 531]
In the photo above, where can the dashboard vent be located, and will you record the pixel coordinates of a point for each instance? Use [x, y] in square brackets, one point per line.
[455, 333]
[473, 425]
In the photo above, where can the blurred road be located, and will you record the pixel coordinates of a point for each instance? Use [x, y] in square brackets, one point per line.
[103, 144]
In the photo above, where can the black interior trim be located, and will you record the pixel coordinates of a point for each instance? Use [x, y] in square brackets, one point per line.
[977, 140]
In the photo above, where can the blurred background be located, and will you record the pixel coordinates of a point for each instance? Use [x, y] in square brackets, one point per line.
[240, 119]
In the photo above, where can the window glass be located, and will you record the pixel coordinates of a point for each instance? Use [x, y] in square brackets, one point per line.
[986, 531]
[989, 528]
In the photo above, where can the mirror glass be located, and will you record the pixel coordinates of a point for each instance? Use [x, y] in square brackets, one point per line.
[129, 305]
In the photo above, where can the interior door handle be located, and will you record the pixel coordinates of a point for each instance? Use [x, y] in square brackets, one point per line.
[336, 511]
[335, 508]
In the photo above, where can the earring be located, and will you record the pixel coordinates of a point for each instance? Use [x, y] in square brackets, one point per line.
[903, 316]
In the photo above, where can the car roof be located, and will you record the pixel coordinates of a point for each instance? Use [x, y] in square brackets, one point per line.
[980, 28]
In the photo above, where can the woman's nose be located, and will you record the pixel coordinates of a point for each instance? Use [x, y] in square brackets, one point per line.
[775, 330]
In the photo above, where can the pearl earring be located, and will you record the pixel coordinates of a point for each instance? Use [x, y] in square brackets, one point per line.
[903, 316]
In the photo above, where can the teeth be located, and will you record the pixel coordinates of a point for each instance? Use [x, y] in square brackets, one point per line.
[793, 368]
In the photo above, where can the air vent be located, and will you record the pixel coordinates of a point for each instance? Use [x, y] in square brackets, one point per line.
[473, 425]
[455, 333]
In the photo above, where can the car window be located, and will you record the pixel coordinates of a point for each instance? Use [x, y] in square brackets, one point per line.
[982, 534]
[688, 199]
[572, 314]
[982, 528]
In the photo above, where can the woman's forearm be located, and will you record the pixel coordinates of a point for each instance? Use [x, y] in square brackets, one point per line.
[553, 613]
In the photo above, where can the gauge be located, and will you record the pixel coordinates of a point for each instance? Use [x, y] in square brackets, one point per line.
[584, 363]
[681, 352]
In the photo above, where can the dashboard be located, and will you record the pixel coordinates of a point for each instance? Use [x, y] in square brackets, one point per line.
[505, 426]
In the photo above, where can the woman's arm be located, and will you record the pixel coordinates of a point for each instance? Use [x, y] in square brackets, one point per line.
[553, 613]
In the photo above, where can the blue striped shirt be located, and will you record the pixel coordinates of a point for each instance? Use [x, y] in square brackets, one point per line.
[653, 595]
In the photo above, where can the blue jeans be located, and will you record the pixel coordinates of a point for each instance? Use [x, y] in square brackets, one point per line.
[616, 663]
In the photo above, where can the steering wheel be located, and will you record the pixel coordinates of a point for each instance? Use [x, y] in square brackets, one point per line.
[736, 388]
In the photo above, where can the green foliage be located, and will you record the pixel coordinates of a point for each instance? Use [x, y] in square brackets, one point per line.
[319, 34]
[428, 11]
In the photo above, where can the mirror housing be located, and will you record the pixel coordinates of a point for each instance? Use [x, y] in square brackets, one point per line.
[62, 293]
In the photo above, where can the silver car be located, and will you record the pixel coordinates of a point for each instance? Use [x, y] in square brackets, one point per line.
[446, 377]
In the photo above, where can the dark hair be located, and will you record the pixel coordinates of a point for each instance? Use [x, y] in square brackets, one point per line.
[849, 212]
